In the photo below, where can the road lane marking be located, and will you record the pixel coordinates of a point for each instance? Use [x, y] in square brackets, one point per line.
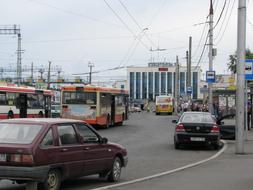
[166, 172]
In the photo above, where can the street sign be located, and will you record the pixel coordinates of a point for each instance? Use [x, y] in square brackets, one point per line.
[249, 69]
[189, 90]
[210, 76]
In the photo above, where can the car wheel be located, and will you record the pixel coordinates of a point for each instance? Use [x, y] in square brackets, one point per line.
[115, 170]
[53, 181]
[41, 114]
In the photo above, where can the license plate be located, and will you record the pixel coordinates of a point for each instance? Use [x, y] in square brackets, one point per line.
[2, 157]
[197, 139]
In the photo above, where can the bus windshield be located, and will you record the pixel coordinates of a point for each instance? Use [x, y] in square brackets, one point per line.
[163, 100]
[88, 98]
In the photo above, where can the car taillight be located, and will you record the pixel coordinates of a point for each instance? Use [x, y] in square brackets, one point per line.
[215, 129]
[180, 128]
[22, 158]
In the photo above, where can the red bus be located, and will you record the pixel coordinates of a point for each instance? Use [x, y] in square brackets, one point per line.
[24, 102]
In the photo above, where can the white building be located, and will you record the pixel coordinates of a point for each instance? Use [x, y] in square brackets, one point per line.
[159, 79]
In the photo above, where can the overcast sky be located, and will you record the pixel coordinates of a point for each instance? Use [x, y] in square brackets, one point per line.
[70, 33]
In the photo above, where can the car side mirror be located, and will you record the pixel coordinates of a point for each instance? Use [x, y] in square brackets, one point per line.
[174, 121]
[103, 140]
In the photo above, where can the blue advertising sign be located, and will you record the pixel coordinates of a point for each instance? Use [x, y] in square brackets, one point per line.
[210, 76]
[249, 69]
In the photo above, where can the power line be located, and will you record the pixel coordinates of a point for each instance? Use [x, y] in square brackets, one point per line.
[224, 5]
[122, 21]
[130, 48]
[74, 13]
[135, 21]
[74, 39]
[202, 35]
[226, 24]
[203, 50]
[222, 24]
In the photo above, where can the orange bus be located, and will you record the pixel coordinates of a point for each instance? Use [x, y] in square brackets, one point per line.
[96, 105]
[23, 101]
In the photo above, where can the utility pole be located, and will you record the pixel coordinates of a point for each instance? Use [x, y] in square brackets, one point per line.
[90, 65]
[188, 84]
[19, 68]
[14, 30]
[176, 86]
[48, 74]
[240, 69]
[32, 73]
[210, 85]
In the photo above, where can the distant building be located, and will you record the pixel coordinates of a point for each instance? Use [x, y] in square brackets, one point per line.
[159, 79]
[121, 84]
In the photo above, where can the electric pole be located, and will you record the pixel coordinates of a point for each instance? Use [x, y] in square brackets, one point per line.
[48, 74]
[19, 67]
[32, 73]
[210, 85]
[90, 65]
[189, 67]
[176, 86]
[240, 69]
[14, 30]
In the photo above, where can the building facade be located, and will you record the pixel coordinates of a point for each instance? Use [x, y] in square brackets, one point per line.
[159, 79]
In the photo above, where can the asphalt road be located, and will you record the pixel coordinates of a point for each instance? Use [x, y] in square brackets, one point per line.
[227, 172]
[149, 141]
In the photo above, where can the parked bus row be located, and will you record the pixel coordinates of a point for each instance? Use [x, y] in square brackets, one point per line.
[23, 102]
[96, 105]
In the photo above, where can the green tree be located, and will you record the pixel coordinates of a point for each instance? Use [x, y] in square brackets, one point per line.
[233, 58]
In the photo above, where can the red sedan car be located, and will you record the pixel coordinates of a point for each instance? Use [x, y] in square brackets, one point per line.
[48, 151]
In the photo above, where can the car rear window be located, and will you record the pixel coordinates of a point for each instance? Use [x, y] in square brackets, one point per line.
[18, 133]
[197, 118]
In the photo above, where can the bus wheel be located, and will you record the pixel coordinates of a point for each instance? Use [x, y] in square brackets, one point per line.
[40, 114]
[10, 115]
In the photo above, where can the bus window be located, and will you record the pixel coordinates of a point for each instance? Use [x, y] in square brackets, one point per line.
[88, 98]
[11, 98]
[2, 98]
[69, 97]
[41, 101]
[35, 101]
[105, 100]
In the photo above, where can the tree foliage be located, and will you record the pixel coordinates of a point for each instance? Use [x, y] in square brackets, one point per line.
[233, 58]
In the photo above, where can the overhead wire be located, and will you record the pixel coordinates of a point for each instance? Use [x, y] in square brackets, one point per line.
[201, 37]
[225, 28]
[129, 50]
[74, 13]
[223, 8]
[222, 24]
[203, 50]
[135, 21]
[122, 21]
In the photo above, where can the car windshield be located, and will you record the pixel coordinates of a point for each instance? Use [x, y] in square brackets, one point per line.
[18, 133]
[197, 118]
